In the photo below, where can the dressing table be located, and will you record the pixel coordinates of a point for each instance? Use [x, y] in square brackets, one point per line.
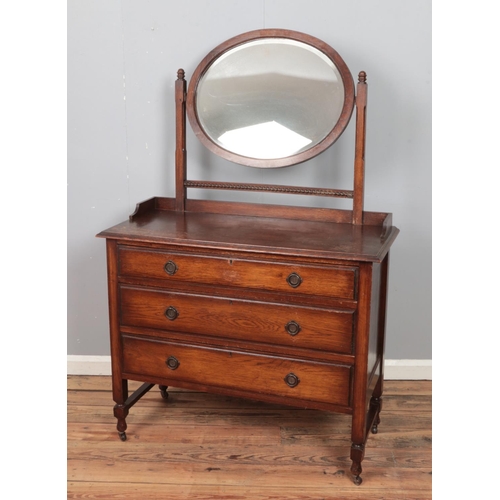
[276, 303]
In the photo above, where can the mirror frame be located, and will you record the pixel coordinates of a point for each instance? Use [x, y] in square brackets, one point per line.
[300, 157]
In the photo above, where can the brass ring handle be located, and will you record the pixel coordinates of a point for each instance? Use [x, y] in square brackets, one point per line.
[292, 380]
[172, 362]
[170, 267]
[294, 280]
[171, 313]
[292, 327]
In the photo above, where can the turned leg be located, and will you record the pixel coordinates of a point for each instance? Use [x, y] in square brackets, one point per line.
[357, 454]
[121, 412]
[163, 391]
[121, 409]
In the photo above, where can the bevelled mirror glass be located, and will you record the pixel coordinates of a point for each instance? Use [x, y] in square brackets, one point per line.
[270, 98]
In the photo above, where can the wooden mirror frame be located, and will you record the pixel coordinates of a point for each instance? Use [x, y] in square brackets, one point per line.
[182, 107]
[294, 159]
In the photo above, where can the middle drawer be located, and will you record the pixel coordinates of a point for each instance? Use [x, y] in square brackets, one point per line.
[287, 325]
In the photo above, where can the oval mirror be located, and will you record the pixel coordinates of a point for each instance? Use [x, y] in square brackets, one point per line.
[270, 98]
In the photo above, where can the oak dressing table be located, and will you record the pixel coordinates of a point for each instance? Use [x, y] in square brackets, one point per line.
[276, 303]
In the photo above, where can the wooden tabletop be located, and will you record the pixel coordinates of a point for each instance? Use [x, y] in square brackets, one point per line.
[257, 234]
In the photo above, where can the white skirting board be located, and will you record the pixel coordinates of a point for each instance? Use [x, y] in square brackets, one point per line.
[395, 369]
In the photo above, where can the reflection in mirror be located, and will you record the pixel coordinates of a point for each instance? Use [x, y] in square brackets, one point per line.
[270, 98]
[264, 140]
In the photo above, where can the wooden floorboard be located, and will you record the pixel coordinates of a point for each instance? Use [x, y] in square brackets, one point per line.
[200, 446]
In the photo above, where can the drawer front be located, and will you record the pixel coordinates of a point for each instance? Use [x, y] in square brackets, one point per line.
[331, 281]
[304, 327]
[320, 382]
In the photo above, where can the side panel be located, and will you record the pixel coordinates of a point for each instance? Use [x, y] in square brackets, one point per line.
[120, 386]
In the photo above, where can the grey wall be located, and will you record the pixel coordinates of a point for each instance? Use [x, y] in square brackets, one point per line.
[123, 58]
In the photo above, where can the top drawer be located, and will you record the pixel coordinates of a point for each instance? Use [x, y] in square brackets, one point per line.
[331, 281]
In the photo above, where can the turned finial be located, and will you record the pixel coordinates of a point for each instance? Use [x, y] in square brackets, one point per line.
[180, 74]
[362, 77]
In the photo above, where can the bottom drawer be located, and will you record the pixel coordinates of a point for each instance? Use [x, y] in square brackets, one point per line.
[291, 378]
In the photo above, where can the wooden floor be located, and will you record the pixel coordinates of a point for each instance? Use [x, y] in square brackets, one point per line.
[200, 446]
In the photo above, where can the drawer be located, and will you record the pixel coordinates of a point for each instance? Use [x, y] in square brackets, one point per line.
[321, 382]
[305, 327]
[331, 281]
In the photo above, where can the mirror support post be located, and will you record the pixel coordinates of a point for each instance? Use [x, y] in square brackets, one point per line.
[359, 158]
[180, 142]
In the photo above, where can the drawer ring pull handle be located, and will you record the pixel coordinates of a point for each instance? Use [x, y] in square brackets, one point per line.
[170, 267]
[172, 362]
[294, 280]
[293, 328]
[292, 380]
[171, 313]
